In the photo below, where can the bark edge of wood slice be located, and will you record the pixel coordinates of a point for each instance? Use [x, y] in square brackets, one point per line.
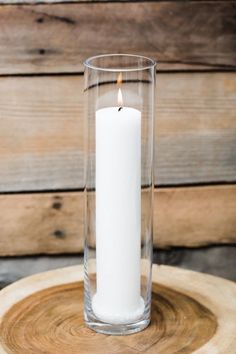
[191, 313]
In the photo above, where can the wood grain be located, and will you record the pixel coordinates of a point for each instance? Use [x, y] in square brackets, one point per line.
[195, 216]
[36, 2]
[41, 223]
[53, 39]
[53, 222]
[44, 313]
[42, 131]
[195, 128]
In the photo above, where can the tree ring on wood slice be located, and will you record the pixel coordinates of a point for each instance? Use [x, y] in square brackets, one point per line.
[51, 320]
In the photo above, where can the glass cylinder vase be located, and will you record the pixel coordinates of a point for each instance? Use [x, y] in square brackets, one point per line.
[119, 191]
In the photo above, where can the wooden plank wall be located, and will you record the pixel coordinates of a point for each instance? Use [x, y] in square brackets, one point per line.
[42, 130]
[42, 47]
[55, 38]
[53, 222]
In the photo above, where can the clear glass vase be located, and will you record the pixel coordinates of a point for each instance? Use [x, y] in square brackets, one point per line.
[119, 192]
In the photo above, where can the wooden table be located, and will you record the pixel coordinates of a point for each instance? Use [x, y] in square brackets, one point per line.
[191, 313]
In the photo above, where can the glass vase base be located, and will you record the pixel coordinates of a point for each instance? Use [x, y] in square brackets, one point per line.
[108, 315]
[117, 329]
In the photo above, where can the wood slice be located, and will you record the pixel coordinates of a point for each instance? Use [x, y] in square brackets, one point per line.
[191, 312]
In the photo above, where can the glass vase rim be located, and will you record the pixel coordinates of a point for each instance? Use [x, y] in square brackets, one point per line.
[152, 63]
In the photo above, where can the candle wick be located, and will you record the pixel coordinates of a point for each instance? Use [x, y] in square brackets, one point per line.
[119, 109]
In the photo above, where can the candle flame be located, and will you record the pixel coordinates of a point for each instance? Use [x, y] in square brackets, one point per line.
[119, 79]
[120, 99]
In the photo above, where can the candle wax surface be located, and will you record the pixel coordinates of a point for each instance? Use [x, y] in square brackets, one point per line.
[118, 215]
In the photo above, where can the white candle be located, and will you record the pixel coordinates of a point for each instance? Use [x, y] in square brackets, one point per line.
[118, 215]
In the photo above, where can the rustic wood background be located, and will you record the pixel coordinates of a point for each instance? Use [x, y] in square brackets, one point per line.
[42, 47]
